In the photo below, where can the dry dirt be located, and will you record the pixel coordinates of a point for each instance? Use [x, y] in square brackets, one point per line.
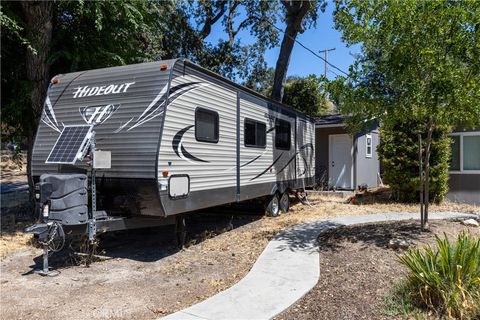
[144, 277]
[358, 269]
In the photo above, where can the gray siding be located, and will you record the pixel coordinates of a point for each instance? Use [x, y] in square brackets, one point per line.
[321, 150]
[366, 169]
[464, 188]
[217, 168]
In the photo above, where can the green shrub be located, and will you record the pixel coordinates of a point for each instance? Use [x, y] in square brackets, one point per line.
[307, 95]
[398, 153]
[446, 279]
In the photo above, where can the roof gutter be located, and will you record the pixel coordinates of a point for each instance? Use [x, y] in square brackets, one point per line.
[336, 125]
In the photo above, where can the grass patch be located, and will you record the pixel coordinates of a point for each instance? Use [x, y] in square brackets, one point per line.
[398, 302]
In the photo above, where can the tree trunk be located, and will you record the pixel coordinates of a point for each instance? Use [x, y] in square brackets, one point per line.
[428, 145]
[420, 157]
[282, 62]
[212, 18]
[295, 13]
[38, 18]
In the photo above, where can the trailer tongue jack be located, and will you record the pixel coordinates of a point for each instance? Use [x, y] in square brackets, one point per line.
[62, 208]
[62, 201]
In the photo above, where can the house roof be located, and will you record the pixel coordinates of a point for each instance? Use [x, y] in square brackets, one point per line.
[332, 120]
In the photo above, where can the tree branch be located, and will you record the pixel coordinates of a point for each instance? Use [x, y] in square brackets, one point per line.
[211, 20]
[231, 14]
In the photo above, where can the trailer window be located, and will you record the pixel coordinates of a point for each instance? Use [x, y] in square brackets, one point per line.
[206, 125]
[255, 134]
[282, 134]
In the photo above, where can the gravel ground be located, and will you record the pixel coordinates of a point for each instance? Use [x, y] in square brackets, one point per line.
[142, 276]
[357, 269]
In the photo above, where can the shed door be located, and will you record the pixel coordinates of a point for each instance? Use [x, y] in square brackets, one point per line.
[340, 161]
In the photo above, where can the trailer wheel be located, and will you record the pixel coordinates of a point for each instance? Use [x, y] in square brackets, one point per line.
[285, 202]
[273, 206]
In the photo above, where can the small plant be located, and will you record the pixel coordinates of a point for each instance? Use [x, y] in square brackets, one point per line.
[446, 279]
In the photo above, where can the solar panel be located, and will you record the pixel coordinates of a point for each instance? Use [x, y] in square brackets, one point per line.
[71, 141]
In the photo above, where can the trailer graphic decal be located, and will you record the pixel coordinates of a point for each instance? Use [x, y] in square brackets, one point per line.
[48, 116]
[158, 105]
[305, 146]
[98, 114]
[247, 163]
[180, 150]
[270, 130]
[305, 166]
[87, 91]
[269, 167]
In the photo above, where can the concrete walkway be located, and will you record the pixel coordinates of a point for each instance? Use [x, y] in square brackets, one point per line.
[286, 270]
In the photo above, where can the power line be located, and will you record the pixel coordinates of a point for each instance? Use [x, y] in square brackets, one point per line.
[305, 47]
[334, 73]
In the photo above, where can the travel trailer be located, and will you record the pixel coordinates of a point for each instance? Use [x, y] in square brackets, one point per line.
[138, 145]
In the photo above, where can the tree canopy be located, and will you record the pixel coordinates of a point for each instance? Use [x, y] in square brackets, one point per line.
[307, 95]
[94, 34]
[418, 59]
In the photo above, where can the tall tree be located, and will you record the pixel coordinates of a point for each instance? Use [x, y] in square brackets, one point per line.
[298, 14]
[38, 21]
[419, 60]
[228, 56]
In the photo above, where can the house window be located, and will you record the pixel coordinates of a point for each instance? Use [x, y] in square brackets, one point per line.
[282, 134]
[471, 152]
[255, 134]
[368, 143]
[206, 125]
[465, 156]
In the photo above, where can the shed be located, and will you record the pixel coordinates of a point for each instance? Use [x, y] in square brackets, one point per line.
[343, 161]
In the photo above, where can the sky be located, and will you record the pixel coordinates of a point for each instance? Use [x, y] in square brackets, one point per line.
[303, 62]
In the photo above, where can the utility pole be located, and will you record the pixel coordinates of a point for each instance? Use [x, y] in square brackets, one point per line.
[326, 59]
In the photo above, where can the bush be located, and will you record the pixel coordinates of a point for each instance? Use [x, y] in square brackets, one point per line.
[398, 153]
[446, 279]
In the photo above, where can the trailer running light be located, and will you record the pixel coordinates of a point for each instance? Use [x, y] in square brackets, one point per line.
[164, 174]
[163, 67]
[55, 81]
[45, 210]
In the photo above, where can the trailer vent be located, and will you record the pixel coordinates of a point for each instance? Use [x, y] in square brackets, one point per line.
[178, 186]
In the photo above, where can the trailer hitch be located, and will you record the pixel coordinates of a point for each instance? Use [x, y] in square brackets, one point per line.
[52, 238]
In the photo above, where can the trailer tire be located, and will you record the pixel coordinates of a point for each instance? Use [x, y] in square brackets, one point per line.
[285, 202]
[272, 208]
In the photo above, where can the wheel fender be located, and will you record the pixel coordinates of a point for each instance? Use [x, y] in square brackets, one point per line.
[274, 190]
